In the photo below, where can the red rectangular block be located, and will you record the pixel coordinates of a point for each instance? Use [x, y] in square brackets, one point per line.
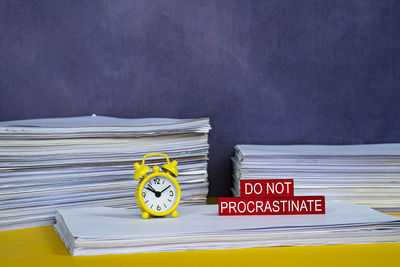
[271, 206]
[267, 188]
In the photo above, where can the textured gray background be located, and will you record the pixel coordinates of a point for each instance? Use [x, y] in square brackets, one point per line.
[268, 72]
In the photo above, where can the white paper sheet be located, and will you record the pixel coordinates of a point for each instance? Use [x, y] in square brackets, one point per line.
[325, 150]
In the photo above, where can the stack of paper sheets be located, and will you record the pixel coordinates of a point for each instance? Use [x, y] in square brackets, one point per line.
[47, 164]
[94, 231]
[363, 174]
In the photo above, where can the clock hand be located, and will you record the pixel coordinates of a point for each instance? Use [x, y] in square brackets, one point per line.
[157, 193]
[152, 190]
[165, 188]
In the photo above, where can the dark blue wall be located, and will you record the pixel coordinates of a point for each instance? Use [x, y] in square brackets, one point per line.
[268, 72]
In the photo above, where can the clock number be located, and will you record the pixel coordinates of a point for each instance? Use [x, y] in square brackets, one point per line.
[144, 194]
[158, 207]
[171, 193]
[156, 180]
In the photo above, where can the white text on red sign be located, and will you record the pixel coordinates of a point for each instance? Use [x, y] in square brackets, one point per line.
[267, 188]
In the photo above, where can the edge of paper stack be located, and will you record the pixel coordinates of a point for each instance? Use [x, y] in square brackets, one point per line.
[364, 174]
[48, 164]
[97, 231]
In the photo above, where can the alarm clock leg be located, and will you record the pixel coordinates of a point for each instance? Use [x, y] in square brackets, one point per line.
[145, 215]
[174, 214]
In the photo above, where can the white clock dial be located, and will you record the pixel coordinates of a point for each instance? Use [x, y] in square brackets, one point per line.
[159, 194]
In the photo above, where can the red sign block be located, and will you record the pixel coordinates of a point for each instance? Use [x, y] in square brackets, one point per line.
[267, 188]
[271, 206]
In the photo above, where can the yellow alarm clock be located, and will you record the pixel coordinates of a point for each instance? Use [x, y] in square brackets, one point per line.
[157, 194]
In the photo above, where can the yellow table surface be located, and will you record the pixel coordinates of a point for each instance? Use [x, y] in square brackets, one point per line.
[42, 247]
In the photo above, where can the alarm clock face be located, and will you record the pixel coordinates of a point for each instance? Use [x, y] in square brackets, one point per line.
[159, 194]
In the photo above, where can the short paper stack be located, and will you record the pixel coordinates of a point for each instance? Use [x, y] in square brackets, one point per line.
[364, 174]
[94, 231]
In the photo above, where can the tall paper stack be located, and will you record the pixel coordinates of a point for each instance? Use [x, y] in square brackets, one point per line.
[363, 174]
[47, 164]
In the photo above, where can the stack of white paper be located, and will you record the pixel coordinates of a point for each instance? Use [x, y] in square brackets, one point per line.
[46, 164]
[94, 231]
[363, 174]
